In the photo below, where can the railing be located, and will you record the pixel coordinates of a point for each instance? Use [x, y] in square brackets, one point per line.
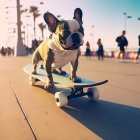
[130, 54]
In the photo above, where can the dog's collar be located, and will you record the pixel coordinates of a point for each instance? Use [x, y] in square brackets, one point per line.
[52, 45]
[56, 46]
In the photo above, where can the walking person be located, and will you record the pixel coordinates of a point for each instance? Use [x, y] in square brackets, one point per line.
[122, 43]
[139, 39]
[138, 53]
[88, 51]
[100, 51]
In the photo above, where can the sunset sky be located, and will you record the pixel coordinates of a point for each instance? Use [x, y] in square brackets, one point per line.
[101, 19]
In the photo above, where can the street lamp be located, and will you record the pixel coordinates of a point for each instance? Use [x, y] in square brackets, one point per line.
[126, 17]
[92, 34]
[27, 32]
[41, 3]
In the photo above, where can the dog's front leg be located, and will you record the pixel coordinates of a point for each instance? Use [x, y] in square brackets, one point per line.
[35, 60]
[74, 66]
[48, 63]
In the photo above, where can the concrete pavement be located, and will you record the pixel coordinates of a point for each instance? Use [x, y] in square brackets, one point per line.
[28, 113]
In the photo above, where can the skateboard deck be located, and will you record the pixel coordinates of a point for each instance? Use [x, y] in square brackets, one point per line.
[61, 81]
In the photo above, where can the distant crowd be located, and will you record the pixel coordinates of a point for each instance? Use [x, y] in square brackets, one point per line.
[122, 43]
[9, 51]
[6, 51]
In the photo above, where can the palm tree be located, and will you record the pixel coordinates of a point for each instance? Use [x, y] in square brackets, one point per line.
[34, 10]
[42, 27]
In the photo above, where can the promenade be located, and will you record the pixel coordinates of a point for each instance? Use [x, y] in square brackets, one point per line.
[30, 113]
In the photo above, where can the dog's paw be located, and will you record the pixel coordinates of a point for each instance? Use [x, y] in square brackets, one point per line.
[59, 72]
[49, 87]
[75, 79]
[63, 72]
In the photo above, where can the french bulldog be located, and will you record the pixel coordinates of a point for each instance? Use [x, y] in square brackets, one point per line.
[62, 47]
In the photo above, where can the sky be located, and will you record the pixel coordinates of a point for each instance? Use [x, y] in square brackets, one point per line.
[101, 19]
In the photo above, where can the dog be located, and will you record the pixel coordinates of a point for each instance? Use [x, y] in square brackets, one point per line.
[62, 47]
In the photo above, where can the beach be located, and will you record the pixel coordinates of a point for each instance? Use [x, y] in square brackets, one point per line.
[29, 112]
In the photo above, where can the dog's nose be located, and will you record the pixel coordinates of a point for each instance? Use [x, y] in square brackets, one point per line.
[75, 38]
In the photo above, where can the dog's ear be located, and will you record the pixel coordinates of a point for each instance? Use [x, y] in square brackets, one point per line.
[51, 21]
[78, 14]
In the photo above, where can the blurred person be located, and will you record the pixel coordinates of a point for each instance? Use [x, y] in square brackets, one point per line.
[3, 51]
[138, 52]
[139, 40]
[35, 44]
[100, 51]
[88, 50]
[122, 43]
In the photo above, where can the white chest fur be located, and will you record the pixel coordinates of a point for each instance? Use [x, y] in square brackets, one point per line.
[61, 58]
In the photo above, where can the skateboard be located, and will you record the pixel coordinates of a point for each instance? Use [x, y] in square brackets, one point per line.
[85, 87]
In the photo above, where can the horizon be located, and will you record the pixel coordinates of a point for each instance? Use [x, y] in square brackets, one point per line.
[101, 19]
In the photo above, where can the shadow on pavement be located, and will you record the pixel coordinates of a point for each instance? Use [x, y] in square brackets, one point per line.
[110, 121]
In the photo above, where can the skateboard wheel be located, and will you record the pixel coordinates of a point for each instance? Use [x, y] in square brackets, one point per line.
[32, 80]
[61, 99]
[93, 93]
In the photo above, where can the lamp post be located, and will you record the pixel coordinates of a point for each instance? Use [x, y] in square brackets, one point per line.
[20, 50]
[125, 18]
[27, 32]
[93, 34]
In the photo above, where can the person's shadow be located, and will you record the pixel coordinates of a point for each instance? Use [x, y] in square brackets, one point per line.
[110, 121]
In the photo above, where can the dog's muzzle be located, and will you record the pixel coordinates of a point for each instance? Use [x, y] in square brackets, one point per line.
[76, 42]
[75, 38]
